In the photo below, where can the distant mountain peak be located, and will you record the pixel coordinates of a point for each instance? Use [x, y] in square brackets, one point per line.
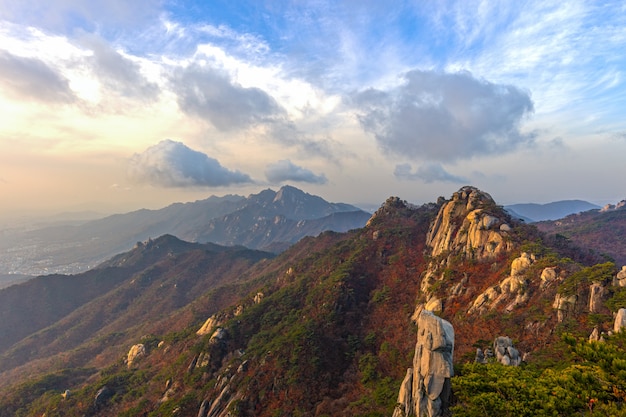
[288, 193]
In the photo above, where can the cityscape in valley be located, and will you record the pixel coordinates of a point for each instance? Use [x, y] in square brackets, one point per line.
[312, 208]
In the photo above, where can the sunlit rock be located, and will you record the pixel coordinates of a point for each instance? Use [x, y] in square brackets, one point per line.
[620, 320]
[466, 224]
[596, 292]
[135, 352]
[426, 389]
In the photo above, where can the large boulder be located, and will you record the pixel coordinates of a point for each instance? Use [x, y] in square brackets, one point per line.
[135, 352]
[505, 353]
[211, 324]
[426, 389]
[620, 320]
[102, 396]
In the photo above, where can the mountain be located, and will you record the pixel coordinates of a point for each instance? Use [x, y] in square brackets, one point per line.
[328, 328]
[7, 280]
[268, 220]
[602, 231]
[532, 212]
[54, 314]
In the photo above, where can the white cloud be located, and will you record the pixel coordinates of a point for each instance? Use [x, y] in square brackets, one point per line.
[173, 164]
[285, 170]
[428, 173]
[445, 117]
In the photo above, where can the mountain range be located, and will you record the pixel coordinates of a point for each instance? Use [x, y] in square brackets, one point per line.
[533, 212]
[268, 220]
[326, 327]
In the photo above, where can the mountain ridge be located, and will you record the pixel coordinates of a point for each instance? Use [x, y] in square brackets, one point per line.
[534, 212]
[325, 328]
[71, 249]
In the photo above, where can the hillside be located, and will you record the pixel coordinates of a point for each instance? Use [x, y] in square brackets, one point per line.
[602, 231]
[326, 328]
[269, 220]
[124, 296]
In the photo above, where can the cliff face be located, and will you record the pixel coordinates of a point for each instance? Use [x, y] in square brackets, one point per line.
[470, 223]
[468, 227]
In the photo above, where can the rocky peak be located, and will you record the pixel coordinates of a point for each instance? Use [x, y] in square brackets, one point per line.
[288, 194]
[612, 207]
[472, 224]
[390, 206]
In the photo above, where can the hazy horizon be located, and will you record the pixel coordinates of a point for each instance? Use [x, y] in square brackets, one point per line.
[114, 106]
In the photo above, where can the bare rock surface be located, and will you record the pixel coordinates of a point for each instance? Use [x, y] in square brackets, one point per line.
[468, 223]
[426, 389]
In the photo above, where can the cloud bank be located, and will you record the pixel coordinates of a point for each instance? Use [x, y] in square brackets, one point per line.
[173, 164]
[285, 170]
[445, 117]
[428, 173]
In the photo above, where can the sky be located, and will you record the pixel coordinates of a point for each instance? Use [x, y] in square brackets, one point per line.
[112, 106]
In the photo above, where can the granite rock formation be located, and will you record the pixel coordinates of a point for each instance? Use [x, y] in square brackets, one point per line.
[469, 222]
[426, 389]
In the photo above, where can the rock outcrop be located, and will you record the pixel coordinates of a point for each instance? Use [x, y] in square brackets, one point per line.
[505, 353]
[426, 389]
[102, 396]
[469, 223]
[211, 324]
[511, 289]
[620, 278]
[596, 294]
[135, 352]
[620, 320]
[548, 276]
[564, 305]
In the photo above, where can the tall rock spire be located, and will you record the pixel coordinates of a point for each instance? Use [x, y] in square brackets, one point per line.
[426, 389]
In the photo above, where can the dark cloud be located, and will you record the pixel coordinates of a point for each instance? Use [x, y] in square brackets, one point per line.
[173, 164]
[428, 173]
[285, 170]
[118, 72]
[31, 78]
[206, 93]
[445, 117]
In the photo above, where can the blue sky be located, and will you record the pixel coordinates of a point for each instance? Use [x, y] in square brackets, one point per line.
[116, 105]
